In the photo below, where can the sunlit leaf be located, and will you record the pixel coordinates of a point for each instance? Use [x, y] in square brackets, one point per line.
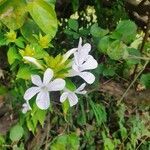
[13, 13]
[12, 55]
[44, 15]
[16, 133]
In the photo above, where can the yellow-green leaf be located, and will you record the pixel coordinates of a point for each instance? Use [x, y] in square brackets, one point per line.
[13, 13]
[44, 15]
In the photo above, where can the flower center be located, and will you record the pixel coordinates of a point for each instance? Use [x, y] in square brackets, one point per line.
[44, 88]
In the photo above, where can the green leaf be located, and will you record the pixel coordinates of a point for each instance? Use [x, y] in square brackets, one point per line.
[44, 15]
[116, 50]
[65, 141]
[3, 40]
[25, 72]
[109, 71]
[16, 133]
[145, 80]
[52, 2]
[40, 115]
[73, 24]
[29, 29]
[12, 55]
[96, 31]
[72, 33]
[99, 112]
[65, 107]
[75, 5]
[125, 31]
[81, 117]
[3, 90]
[2, 140]
[13, 13]
[70, 85]
[20, 42]
[30, 124]
[2, 1]
[133, 52]
[104, 44]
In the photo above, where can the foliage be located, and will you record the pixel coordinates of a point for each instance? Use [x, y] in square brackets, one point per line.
[33, 39]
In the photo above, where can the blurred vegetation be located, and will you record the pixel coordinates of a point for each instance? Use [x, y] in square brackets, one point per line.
[115, 112]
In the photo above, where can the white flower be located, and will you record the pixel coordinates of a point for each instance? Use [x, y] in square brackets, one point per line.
[43, 88]
[71, 95]
[26, 107]
[33, 61]
[68, 54]
[82, 62]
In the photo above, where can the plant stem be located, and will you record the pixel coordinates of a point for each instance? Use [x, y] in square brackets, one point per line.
[132, 83]
[143, 43]
[47, 130]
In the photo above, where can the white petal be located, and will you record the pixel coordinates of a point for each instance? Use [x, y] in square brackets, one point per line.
[43, 100]
[56, 85]
[63, 97]
[24, 110]
[82, 55]
[81, 92]
[33, 61]
[86, 48]
[36, 80]
[90, 63]
[81, 87]
[80, 44]
[26, 107]
[77, 58]
[88, 77]
[31, 92]
[72, 73]
[68, 54]
[73, 99]
[75, 67]
[48, 75]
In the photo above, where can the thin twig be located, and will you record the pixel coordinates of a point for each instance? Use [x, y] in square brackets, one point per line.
[142, 142]
[132, 83]
[143, 44]
[47, 130]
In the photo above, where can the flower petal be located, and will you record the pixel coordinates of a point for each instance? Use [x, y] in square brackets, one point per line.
[81, 92]
[90, 63]
[80, 44]
[31, 92]
[82, 54]
[33, 61]
[36, 79]
[75, 67]
[48, 75]
[26, 107]
[81, 87]
[86, 48]
[24, 110]
[88, 77]
[43, 100]
[63, 97]
[56, 85]
[68, 54]
[72, 73]
[73, 99]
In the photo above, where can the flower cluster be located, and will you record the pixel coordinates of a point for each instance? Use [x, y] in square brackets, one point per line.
[80, 64]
